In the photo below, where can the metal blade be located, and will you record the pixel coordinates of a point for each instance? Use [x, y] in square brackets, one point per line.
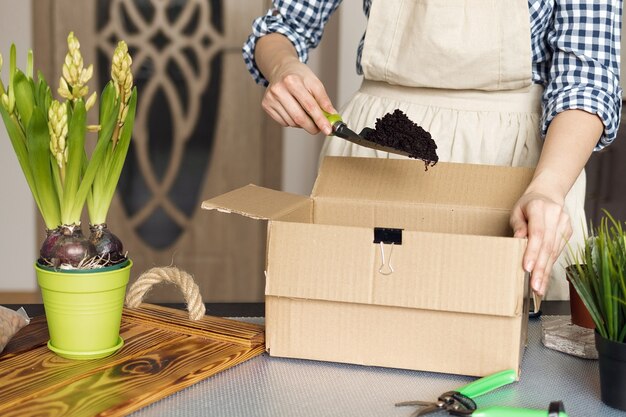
[415, 403]
[342, 131]
[433, 408]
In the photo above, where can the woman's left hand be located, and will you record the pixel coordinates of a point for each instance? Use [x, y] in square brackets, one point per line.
[539, 214]
[546, 224]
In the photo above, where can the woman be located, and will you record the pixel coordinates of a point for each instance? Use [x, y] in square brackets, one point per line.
[518, 82]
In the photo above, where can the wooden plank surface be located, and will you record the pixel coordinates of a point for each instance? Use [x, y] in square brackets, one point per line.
[158, 359]
[214, 327]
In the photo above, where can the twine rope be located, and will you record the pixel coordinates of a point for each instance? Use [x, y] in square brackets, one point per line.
[180, 278]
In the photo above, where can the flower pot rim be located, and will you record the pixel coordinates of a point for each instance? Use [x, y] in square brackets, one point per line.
[597, 333]
[610, 348]
[120, 265]
[95, 281]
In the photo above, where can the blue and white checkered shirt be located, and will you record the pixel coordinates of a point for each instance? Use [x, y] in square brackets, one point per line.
[575, 51]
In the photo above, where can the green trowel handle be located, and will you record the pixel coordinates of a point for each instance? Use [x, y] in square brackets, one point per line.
[489, 383]
[512, 412]
[332, 118]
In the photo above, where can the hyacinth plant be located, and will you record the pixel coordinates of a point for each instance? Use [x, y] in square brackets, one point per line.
[49, 137]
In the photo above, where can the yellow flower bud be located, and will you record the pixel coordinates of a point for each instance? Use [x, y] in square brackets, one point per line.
[64, 89]
[87, 74]
[58, 129]
[75, 77]
[122, 78]
[91, 101]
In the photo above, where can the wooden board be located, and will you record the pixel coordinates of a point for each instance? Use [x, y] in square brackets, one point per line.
[163, 353]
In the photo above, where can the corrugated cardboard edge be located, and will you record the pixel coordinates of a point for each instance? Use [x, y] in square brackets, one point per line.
[404, 180]
[257, 203]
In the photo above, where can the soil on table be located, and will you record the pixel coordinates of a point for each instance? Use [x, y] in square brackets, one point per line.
[396, 130]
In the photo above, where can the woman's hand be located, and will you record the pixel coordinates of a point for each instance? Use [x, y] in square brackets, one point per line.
[539, 214]
[295, 96]
[546, 224]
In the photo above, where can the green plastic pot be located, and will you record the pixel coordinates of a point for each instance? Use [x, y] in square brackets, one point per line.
[84, 310]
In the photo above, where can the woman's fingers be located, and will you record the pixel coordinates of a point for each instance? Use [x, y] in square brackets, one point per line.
[547, 227]
[316, 103]
[281, 101]
[296, 98]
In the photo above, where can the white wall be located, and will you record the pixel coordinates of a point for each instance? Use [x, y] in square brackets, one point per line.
[17, 208]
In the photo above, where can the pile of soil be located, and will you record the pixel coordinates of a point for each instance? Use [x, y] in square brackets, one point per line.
[397, 131]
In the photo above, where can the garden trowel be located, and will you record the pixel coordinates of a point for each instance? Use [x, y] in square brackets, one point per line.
[340, 129]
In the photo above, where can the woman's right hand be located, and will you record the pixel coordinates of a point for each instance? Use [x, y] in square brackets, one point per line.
[295, 96]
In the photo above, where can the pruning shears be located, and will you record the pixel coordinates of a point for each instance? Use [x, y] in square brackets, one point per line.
[461, 402]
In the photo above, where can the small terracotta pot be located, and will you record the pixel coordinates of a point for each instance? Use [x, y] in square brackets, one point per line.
[578, 310]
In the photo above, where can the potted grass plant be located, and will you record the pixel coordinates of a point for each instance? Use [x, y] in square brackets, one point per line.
[82, 277]
[599, 277]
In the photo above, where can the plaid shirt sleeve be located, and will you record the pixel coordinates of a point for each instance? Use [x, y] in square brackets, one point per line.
[584, 67]
[301, 21]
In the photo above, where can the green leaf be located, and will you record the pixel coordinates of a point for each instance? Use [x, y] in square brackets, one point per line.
[109, 108]
[119, 157]
[89, 199]
[18, 140]
[622, 334]
[44, 95]
[29, 64]
[24, 96]
[77, 129]
[12, 64]
[582, 288]
[104, 194]
[39, 159]
[56, 177]
[93, 167]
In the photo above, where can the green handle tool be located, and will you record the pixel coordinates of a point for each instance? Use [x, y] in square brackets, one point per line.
[514, 412]
[461, 401]
[489, 383]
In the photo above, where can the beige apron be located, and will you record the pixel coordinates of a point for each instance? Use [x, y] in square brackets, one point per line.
[461, 69]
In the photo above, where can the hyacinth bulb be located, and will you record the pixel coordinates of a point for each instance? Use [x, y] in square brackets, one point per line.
[109, 248]
[47, 248]
[66, 248]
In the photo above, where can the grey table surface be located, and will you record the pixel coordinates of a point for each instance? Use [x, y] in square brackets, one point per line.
[269, 386]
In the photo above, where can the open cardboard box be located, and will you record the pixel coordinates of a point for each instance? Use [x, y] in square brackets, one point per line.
[390, 265]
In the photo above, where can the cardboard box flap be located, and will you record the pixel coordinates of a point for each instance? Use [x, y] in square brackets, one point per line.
[257, 202]
[405, 180]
